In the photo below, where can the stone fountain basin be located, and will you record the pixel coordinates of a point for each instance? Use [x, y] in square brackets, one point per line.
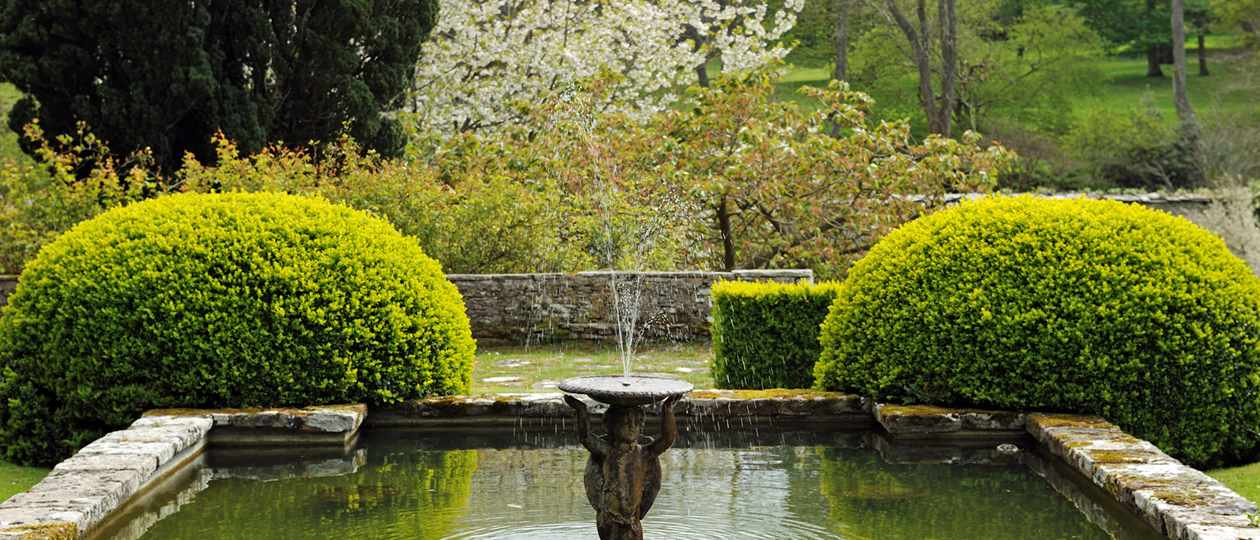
[627, 391]
[102, 488]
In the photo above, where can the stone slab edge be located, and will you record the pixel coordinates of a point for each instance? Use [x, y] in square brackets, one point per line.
[697, 407]
[1179, 501]
[321, 419]
[80, 492]
[927, 421]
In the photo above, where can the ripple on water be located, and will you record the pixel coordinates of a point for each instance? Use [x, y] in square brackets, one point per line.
[528, 486]
[662, 527]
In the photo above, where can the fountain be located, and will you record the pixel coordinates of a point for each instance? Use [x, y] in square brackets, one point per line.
[623, 474]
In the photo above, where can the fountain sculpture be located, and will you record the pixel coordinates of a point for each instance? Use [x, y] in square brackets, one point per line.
[623, 474]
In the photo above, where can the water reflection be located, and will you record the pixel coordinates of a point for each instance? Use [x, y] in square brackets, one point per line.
[717, 485]
[395, 494]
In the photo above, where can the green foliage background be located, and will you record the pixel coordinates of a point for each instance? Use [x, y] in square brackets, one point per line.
[593, 190]
[221, 301]
[1069, 305]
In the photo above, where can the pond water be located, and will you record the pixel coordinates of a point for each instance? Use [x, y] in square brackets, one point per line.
[409, 485]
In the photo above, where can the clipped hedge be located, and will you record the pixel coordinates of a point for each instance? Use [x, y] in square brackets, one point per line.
[221, 301]
[765, 335]
[1070, 305]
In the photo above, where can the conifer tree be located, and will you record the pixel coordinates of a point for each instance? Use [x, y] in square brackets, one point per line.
[167, 75]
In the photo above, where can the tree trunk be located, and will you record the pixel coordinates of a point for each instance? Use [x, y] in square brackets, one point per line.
[923, 60]
[840, 39]
[918, 45]
[702, 70]
[949, 60]
[1152, 50]
[1180, 97]
[1203, 69]
[724, 228]
[938, 112]
[1191, 134]
[1152, 62]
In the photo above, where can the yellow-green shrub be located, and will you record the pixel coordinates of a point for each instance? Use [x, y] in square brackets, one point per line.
[473, 218]
[765, 335]
[74, 179]
[1070, 305]
[221, 300]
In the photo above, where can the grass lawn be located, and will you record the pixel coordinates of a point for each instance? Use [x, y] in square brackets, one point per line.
[539, 368]
[1244, 479]
[8, 139]
[1124, 83]
[1125, 86]
[15, 478]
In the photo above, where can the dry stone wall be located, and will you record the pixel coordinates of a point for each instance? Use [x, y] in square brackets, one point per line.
[527, 308]
[531, 308]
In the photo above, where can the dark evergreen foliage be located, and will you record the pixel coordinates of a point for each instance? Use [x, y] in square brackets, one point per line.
[168, 75]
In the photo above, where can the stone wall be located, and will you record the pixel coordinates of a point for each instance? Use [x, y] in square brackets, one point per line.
[532, 308]
[528, 308]
[1189, 205]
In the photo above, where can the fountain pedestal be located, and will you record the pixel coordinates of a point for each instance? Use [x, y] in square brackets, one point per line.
[623, 474]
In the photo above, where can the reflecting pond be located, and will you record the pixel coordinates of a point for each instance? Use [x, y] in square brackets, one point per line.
[459, 485]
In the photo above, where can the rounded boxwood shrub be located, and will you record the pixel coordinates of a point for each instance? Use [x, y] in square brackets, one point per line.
[1068, 305]
[221, 301]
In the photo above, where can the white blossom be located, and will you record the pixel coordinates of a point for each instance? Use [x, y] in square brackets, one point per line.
[489, 59]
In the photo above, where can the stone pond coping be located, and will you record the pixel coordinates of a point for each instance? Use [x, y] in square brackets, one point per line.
[926, 421]
[328, 424]
[1177, 501]
[700, 407]
[82, 491]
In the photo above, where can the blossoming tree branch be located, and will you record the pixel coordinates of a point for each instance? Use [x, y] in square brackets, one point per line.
[488, 61]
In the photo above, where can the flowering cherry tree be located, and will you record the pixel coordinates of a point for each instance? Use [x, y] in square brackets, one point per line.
[489, 61]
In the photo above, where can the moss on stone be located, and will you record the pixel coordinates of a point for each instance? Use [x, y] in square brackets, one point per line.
[772, 393]
[919, 410]
[305, 411]
[1183, 497]
[1055, 420]
[1134, 481]
[57, 530]
[1121, 456]
[188, 412]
